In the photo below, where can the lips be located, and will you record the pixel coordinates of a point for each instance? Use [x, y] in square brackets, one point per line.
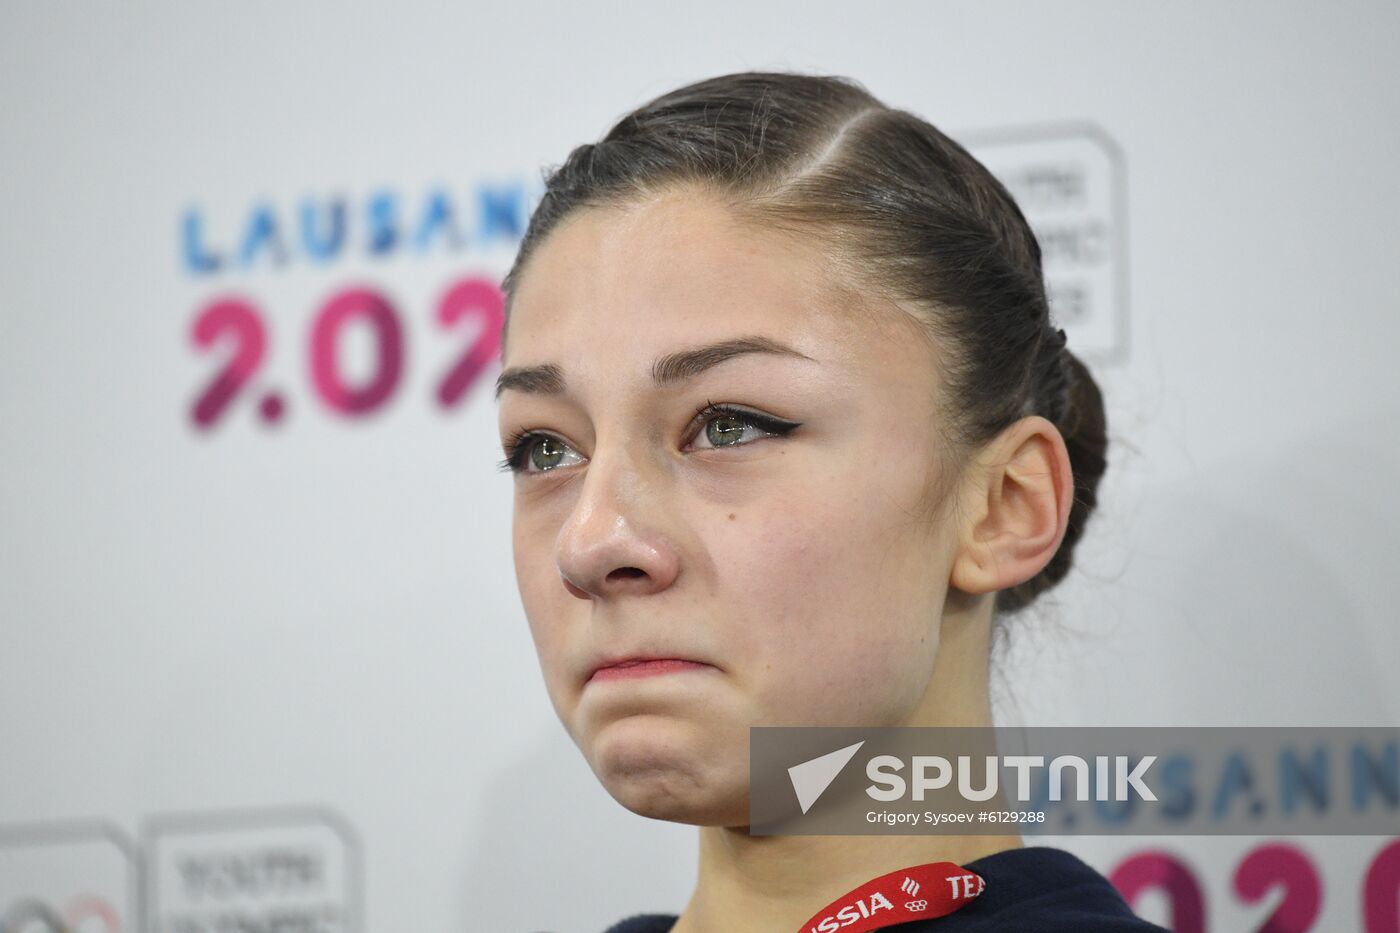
[638, 666]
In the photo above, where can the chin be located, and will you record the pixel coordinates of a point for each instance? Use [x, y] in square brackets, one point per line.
[656, 797]
[655, 772]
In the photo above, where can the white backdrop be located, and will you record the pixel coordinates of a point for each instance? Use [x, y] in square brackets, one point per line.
[283, 662]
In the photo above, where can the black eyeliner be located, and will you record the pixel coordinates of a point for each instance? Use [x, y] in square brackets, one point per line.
[518, 445]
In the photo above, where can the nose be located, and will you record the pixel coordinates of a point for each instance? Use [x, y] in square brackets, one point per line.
[611, 545]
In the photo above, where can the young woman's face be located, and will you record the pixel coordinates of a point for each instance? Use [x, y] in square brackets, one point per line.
[803, 569]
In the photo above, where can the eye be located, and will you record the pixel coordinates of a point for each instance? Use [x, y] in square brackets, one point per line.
[521, 452]
[534, 452]
[726, 426]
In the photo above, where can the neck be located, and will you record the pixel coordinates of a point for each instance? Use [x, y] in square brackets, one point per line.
[773, 884]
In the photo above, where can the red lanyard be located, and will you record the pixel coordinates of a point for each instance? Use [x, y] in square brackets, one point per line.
[921, 891]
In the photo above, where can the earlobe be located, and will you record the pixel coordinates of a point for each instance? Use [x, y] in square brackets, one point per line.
[1023, 492]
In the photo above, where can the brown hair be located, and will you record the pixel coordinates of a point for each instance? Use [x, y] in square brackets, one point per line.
[905, 210]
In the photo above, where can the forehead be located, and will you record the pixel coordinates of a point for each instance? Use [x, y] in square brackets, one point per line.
[675, 266]
[612, 288]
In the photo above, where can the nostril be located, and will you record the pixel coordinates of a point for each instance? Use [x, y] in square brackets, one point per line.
[626, 572]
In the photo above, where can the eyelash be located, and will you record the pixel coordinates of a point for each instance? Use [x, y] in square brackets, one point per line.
[518, 444]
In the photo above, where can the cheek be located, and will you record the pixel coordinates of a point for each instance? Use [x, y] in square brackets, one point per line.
[546, 606]
[843, 664]
[839, 620]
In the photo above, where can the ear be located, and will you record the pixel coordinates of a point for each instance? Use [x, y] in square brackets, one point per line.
[1014, 509]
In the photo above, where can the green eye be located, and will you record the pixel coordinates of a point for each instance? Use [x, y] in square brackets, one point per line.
[726, 430]
[532, 452]
[547, 453]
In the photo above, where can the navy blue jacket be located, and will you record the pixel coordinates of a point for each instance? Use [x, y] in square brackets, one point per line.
[1036, 888]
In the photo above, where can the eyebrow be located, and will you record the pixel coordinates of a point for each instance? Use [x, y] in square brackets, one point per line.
[548, 379]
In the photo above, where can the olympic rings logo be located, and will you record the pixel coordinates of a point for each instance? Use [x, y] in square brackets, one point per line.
[908, 905]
